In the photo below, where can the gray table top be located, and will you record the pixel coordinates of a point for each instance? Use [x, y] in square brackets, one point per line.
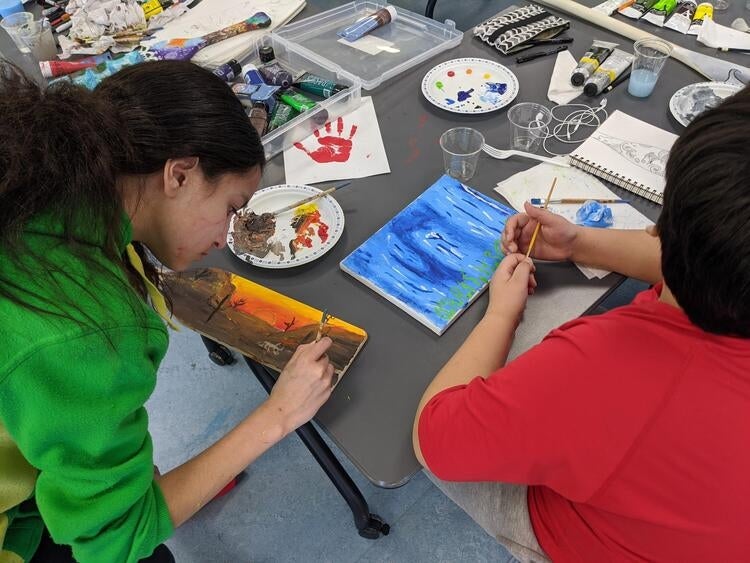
[370, 414]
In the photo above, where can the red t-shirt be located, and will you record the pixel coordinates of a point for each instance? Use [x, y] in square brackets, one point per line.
[632, 429]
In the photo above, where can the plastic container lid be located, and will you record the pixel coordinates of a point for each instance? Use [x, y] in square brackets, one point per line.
[380, 55]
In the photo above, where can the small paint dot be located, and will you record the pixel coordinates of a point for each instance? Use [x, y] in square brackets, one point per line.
[451, 73]
[469, 71]
[439, 85]
[487, 75]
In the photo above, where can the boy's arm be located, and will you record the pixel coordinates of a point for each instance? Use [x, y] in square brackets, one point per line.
[634, 253]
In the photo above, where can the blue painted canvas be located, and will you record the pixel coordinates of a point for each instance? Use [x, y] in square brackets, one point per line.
[437, 255]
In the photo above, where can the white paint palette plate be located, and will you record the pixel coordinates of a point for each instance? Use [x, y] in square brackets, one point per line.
[470, 86]
[689, 102]
[296, 237]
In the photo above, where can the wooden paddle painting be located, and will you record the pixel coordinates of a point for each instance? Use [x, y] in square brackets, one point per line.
[258, 322]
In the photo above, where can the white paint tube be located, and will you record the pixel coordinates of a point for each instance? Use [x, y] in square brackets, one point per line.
[617, 63]
[682, 16]
[590, 61]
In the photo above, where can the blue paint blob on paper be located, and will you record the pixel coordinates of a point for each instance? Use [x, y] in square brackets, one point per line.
[595, 214]
[496, 87]
[464, 95]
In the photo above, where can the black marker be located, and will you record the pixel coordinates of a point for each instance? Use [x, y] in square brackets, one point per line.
[562, 41]
[619, 80]
[533, 56]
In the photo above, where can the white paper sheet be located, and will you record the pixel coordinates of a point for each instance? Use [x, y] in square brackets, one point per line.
[722, 37]
[347, 147]
[571, 182]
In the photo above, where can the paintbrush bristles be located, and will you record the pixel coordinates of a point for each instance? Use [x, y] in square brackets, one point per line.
[539, 225]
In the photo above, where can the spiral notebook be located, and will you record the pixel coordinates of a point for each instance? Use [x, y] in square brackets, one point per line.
[629, 153]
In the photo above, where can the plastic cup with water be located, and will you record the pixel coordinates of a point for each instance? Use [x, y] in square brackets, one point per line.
[529, 125]
[461, 147]
[17, 25]
[650, 56]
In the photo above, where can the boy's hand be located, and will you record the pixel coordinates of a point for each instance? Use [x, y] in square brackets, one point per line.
[510, 286]
[304, 384]
[554, 241]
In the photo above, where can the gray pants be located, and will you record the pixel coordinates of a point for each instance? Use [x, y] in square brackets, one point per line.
[502, 511]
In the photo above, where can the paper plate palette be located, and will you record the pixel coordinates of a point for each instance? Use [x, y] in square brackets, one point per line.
[290, 239]
[470, 86]
[689, 102]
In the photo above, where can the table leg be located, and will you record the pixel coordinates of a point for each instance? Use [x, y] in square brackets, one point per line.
[370, 526]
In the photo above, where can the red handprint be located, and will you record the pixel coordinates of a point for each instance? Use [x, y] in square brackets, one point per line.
[333, 148]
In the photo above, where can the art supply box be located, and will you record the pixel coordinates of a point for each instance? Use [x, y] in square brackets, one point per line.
[312, 45]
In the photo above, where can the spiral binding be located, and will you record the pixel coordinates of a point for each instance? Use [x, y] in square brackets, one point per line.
[616, 179]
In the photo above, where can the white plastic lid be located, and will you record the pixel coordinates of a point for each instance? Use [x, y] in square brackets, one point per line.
[393, 12]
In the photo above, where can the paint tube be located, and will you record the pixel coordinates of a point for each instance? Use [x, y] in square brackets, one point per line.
[365, 25]
[682, 16]
[259, 118]
[228, 71]
[638, 9]
[251, 75]
[51, 69]
[660, 11]
[704, 10]
[609, 7]
[319, 86]
[617, 63]
[281, 115]
[297, 100]
[266, 54]
[250, 94]
[274, 74]
[590, 61]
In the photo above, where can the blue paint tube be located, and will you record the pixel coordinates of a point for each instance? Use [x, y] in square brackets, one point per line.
[362, 27]
[251, 75]
[228, 71]
[250, 94]
[273, 73]
[319, 86]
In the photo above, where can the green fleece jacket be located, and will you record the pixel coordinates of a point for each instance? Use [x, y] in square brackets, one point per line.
[73, 429]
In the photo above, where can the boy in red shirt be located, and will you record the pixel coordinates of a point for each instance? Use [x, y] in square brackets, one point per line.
[620, 437]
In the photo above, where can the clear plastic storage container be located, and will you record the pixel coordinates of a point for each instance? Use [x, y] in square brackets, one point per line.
[312, 45]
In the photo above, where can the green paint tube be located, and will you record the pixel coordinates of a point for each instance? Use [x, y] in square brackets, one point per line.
[660, 11]
[297, 100]
[282, 114]
[317, 85]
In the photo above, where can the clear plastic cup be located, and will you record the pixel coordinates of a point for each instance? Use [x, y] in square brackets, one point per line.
[461, 147]
[650, 56]
[39, 39]
[17, 25]
[529, 124]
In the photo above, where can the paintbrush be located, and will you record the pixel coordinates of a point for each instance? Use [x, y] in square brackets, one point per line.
[542, 201]
[323, 320]
[538, 225]
[311, 198]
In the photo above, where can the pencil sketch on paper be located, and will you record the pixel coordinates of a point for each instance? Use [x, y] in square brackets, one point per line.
[650, 158]
[437, 255]
[259, 322]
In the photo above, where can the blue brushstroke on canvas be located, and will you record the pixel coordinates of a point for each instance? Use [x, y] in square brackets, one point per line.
[436, 255]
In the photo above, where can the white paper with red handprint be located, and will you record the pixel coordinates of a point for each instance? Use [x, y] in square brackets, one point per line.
[346, 147]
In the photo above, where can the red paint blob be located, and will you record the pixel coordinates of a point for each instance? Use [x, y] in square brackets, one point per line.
[451, 73]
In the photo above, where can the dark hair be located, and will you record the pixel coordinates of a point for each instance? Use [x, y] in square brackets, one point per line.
[63, 149]
[705, 224]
